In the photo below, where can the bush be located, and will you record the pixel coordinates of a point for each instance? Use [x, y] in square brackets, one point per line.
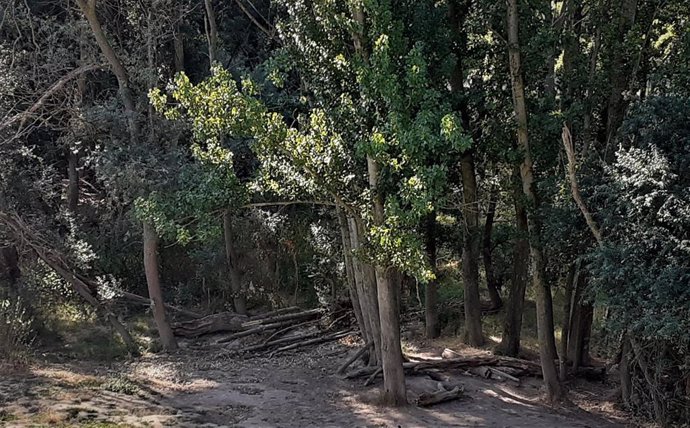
[16, 332]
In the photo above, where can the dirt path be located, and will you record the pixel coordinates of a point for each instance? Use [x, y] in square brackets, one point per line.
[204, 388]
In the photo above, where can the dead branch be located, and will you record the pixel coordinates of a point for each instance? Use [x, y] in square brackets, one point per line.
[429, 399]
[572, 177]
[354, 357]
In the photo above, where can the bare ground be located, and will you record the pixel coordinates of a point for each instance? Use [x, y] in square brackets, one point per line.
[211, 387]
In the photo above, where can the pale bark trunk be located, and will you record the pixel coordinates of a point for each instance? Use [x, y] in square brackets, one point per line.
[178, 45]
[350, 276]
[394, 389]
[211, 31]
[365, 283]
[542, 290]
[571, 279]
[470, 252]
[510, 342]
[431, 289]
[155, 294]
[239, 298]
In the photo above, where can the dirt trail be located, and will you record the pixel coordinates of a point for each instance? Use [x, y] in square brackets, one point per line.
[212, 388]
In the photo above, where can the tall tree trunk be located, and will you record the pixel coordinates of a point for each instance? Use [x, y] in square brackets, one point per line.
[542, 289]
[365, 282]
[178, 45]
[620, 72]
[350, 276]
[571, 279]
[211, 31]
[88, 8]
[238, 295]
[470, 252]
[510, 342]
[73, 181]
[394, 390]
[580, 325]
[491, 282]
[155, 294]
[431, 289]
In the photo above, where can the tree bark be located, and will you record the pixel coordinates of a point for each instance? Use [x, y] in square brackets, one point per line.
[211, 32]
[431, 289]
[581, 316]
[542, 289]
[571, 279]
[239, 298]
[88, 8]
[470, 252]
[155, 294]
[394, 389]
[510, 342]
[350, 276]
[73, 181]
[491, 282]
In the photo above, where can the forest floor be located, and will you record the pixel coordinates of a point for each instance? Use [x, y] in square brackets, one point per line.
[208, 386]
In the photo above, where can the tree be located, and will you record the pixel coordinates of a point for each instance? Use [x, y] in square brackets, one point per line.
[542, 290]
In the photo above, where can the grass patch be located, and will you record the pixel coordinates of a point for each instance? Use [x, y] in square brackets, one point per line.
[6, 416]
[121, 385]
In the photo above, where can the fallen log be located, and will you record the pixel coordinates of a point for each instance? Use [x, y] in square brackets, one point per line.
[146, 301]
[276, 312]
[354, 357]
[318, 340]
[278, 342]
[312, 313]
[429, 399]
[259, 329]
[224, 321]
[414, 367]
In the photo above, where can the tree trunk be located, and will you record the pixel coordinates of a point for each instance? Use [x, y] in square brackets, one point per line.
[350, 276]
[154, 286]
[542, 289]
[394, 390]
[510, 342]
[431, 289]
[470, 252]
[571, 279]
[88, 8]
[239, 298]
[178, 45]
[491, 282]
[211, 31]
[365, 283]
[580, 326]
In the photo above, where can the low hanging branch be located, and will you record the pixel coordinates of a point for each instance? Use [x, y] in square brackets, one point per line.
[23, 234]
[572, 177]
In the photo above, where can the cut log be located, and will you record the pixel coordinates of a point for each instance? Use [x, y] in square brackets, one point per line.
[281, 311]
[429, 399]
[449, 353]
[354, 357]
[500, 374]
[224, 321]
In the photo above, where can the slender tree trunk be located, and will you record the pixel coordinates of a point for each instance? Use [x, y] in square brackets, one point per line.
[88, 8]
[73, 181]
[542, 289]
[491, 282]
[350, 276]
[510, 342]
[581, 315]
[239, 298]
[365, 283]
[394, 390]
[571, 279]
[178, 45]
[211, 31]
[431, 289]
[155, 294]
[470, 252]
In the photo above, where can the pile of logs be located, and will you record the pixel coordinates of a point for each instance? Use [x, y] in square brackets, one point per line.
[282, 330]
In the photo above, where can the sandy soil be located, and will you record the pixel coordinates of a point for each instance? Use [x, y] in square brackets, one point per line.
[211, 387]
